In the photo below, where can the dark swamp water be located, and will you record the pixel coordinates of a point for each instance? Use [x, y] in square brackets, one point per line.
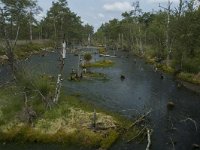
[141, 91]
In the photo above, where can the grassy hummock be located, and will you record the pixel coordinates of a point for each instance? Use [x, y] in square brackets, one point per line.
[89, 76]
[26, 50]
[67, 123]
[100, 64]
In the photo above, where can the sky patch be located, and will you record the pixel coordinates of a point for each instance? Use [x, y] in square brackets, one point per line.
[118, 6]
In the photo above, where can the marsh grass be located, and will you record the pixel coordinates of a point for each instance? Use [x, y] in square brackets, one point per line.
[26, 50]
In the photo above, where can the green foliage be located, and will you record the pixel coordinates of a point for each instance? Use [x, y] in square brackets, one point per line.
[102, 50]
[61, 20]
[25, 50]
[188, 77]
[151, 34]
[191, 65]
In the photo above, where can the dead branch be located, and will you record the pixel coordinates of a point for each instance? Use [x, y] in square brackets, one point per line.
[172, 125]
[141, 131]
[149, 132]
[193, 121]
[140, 119]
[172, 143]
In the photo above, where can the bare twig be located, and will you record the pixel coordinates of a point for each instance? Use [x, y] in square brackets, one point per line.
[193, 121]
[172, 143]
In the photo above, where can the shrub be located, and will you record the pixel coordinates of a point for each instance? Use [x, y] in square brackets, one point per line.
[102, 50]
[87, 57]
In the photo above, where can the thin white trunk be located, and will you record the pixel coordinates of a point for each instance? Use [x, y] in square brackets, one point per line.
[148, 139]
[58, 88]
[30, 27]
[16, 37]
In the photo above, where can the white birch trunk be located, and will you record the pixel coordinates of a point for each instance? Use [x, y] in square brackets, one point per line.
[58, 88]
[64, 50]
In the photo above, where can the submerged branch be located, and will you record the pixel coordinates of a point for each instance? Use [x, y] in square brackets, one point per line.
[140, 119]
[193, 121]
[149, 132]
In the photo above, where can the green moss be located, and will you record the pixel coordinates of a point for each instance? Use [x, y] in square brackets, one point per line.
[110, 139]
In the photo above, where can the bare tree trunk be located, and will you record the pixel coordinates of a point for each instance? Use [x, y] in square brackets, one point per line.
[55, 33]
[140, 41]
[59, 80]
[30, 27]
[31, 33]
[167, 32]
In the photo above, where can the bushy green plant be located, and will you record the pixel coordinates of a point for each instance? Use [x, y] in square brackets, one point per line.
[87, 57]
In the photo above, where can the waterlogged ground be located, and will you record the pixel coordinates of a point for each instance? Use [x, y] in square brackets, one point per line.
[141, 91]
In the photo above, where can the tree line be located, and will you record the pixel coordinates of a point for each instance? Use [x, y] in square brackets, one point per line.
[19, 21]
[169, 35]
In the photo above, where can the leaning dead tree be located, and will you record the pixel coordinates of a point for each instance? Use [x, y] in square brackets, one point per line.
[59, 79]
[9, 44]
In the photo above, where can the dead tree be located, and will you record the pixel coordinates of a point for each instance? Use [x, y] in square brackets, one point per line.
[9, 45]
[59, 79]
[168, 44]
